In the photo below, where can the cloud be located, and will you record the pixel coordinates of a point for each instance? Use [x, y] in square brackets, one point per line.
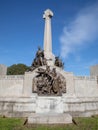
[83, 30]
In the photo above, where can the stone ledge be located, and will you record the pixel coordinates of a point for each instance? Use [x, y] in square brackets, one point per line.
[50, 119]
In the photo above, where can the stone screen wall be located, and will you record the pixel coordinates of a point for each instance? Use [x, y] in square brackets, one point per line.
[86, 86]
[11, 85]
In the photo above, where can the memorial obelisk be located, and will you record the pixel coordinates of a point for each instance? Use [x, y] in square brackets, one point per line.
[48, 37]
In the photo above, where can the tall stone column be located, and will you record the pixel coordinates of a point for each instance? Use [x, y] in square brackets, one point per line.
[48, 36]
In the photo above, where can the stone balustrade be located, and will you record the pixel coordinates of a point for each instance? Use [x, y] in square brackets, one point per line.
[15, 77]
[85, 77]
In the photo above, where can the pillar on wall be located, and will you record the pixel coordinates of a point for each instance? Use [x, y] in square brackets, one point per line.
[3, 69]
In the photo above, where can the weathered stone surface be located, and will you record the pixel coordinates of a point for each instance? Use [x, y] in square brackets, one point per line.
[29, 106]
[94, 70]
[50, 119]
[47, 104]
[3, 69]
[86, 86]
[11, 85]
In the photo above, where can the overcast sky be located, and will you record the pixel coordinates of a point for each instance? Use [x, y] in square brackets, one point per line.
[74, 32]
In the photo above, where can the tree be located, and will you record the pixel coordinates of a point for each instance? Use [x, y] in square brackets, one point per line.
[17, 69]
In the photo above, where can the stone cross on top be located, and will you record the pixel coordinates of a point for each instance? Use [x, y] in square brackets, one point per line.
[48, 35]
[47, 14]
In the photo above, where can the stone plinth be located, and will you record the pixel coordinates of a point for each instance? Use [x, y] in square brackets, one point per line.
[50, 119]
[49, 110]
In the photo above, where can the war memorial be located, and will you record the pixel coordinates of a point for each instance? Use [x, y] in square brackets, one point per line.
[46, 94]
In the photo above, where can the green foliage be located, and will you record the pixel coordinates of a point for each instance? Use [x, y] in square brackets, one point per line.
[17, 69]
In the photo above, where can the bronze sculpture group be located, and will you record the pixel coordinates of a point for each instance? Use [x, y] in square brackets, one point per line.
[47, 81]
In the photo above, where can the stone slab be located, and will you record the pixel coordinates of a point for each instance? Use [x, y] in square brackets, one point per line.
[50, 119]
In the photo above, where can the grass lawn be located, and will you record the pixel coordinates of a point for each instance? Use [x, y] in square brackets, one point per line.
[17, 124]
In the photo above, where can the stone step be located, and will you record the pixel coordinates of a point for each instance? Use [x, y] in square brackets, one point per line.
[50, 119]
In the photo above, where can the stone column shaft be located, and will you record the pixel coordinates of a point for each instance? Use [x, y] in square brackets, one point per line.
[48, 35]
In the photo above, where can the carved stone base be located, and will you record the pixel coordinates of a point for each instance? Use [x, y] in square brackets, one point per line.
[50, 119]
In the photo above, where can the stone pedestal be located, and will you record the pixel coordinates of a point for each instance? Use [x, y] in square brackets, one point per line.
[49, 110]
[50, 119]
